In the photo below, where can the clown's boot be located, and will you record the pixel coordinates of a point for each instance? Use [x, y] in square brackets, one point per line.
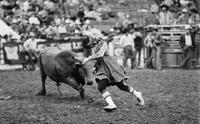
[111, 105]
[138, 95]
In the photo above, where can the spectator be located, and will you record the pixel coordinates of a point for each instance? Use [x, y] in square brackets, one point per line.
[126, 41]
[165, 16]
[54, 30]
[86, 26]
[194, 34]
[57, 19]
[34, 7]
[20, 3]
[88, 5]
[177, 3]
[81, 14]
[8, 19]
[191, 6]
[26, 5]
[3, 39]
[9, 38]
[43, 12]
[153, 18]
[62, 30]
[77, 25]
[42, 32]
[85, 29]
[186, 45]
[92, 14]
[154, 8]
[184, 2]
[126, 22]
[33, 19]
[49, 32]
[73, 2]
[22, 40]
[16, 10]
[23, 26]
[176, 7]
[168, 2]
[138, 41]
[45, 18]
[123, 2]
[15, 27]
[31, 43]
[193, 17]
[69, 26]
[2, 12]
[183, 17]
[16, 19]
[157, 50]
[30, 46]
[148, 43]
[5, 3]
[93, 32]
[49, 5]
[105, 9]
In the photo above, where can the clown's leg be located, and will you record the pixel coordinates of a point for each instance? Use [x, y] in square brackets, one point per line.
[123, 86]
[102, 84]
[111, 105]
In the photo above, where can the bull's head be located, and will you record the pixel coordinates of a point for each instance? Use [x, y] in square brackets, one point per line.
[85, 70]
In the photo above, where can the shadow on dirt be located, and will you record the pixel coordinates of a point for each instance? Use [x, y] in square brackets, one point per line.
[49, 98]
[58, 100]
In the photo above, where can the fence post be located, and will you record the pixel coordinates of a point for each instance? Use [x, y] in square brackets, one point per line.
[1, 54]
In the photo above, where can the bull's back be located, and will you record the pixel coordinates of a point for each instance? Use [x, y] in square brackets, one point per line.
[49, 62]
[56, 63]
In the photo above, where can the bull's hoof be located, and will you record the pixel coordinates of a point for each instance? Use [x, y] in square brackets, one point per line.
[42, 93]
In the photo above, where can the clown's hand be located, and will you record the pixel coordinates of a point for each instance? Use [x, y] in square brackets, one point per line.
[86, 60]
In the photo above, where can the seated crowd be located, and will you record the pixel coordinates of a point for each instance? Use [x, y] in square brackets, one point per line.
[51, 18]
[169, 12]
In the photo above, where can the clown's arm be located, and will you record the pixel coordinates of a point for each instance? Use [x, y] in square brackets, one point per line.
[99, 53]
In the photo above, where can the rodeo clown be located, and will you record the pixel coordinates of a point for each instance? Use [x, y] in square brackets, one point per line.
[108, 72]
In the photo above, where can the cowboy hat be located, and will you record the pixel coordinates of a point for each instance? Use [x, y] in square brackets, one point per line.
[87, 21]
[78, 22]
[164, 6]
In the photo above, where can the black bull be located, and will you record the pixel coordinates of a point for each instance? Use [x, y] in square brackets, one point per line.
[62, 67]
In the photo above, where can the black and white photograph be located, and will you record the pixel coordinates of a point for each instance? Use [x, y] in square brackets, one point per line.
[99, 61]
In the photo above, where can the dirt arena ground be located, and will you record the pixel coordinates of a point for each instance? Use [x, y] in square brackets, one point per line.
[172, 97]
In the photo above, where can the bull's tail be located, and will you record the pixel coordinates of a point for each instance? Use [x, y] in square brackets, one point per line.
[43, 76]
[40, 64]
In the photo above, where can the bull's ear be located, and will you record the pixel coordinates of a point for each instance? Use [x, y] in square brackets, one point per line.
[78, 65]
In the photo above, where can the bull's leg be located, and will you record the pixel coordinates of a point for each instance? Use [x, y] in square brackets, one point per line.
[73, 83]
[43, 90]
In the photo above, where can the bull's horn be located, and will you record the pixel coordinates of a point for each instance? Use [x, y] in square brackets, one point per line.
[78, 58]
